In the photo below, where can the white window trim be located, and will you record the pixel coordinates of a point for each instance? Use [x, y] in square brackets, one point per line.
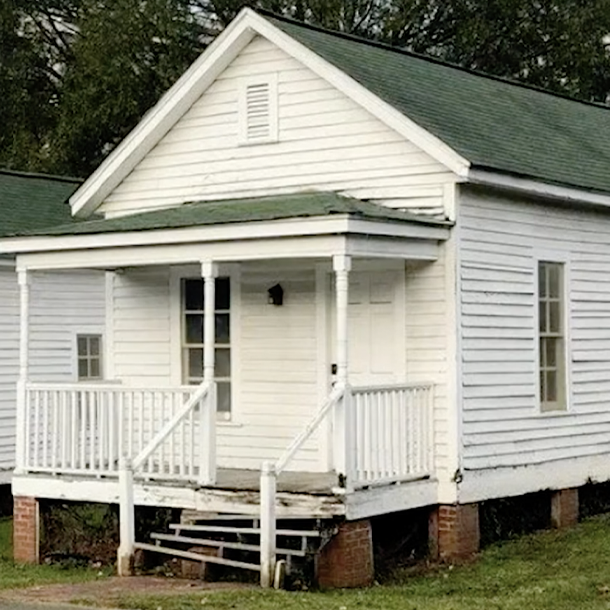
[233, 272]
[93, 330]
[271, 80]
[552, 256]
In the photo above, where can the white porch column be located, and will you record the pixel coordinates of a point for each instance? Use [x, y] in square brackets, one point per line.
[342, 266]
[342, 436]
[22, 428]
[207, 457]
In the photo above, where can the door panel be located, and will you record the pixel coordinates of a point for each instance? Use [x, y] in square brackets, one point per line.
[374, 330]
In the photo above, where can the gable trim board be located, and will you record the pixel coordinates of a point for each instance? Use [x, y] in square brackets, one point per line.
[202, 74]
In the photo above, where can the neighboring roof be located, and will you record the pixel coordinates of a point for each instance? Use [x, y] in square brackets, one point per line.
[494, 123]
[30, 202]
[306, 205]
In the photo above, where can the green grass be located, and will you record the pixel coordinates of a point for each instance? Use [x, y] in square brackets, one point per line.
[17, 576]
[546, 571]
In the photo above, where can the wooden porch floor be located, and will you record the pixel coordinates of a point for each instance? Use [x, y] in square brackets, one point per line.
[314, 483]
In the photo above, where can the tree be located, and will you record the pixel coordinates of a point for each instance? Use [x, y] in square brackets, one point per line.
[78, 75]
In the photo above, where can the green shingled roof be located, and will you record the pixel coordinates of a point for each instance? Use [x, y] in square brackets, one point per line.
[33, 201]
[304, 205]
[493, 123]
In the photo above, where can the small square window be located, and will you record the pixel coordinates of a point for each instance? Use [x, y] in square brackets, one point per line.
[89, 357]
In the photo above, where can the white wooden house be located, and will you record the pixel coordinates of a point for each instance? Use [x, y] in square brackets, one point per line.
[377, 277]
[65, 305]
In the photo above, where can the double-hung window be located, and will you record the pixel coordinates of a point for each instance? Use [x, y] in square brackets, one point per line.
[551, 336]
[192, 337]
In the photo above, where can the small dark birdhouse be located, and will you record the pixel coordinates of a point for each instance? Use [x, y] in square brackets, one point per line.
[276, 295]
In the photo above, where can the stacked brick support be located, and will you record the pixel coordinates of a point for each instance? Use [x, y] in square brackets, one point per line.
[25, 530]
[564, 508]
[454, 532]
[347, 560]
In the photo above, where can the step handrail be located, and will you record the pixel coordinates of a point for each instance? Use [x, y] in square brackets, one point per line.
[199, 394]
[333, 398]
[128, 467]
[268, 486]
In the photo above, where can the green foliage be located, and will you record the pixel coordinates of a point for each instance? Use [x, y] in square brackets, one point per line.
[77, 75]
[81, 533]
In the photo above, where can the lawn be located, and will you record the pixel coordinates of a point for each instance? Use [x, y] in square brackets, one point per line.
[13, 576]
[546, 571]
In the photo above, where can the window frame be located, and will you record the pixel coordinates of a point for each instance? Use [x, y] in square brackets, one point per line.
[89, 334]
[192, 271]
[564, 406]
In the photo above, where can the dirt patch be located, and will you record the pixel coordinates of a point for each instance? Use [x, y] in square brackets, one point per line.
[107, 592]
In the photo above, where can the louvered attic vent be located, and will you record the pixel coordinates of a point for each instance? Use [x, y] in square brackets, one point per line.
[258, 111]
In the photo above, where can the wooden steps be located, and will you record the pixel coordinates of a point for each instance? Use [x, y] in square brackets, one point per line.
[234, 540]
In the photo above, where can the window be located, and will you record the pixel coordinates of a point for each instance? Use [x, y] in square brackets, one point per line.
[89, 357]
[551, 311]
[258, 111]
[192, 337]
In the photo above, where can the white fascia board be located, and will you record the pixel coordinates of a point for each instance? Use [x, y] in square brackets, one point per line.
[161, 117]
[535, 187]
[202, 74]
[380, 109]
[296, 227]
[283, 248]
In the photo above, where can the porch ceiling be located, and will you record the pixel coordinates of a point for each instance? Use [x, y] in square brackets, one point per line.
[311, 225]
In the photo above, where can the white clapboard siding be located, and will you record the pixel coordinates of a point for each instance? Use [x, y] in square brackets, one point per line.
[61, 305]
[326, 142]
[274, 356]
[427, 308]
[501, 242]
[9, 364]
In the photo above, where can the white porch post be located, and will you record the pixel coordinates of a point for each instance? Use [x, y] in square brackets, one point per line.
[268, 484]
[127, 527]
[343, 438]
[207, 456]
[22, 426]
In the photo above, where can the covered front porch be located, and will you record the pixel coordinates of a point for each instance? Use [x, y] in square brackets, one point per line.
[267, 357]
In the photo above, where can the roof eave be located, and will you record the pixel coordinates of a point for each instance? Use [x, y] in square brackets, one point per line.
[290, 227]
[531, 186]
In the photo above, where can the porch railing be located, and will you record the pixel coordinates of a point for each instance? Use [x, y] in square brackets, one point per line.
[85, 429]
[393, 433]
[382, 435]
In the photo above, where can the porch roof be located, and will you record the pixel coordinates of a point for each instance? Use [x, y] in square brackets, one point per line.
[255, 209]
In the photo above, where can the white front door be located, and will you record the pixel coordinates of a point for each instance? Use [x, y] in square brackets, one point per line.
[376, 327]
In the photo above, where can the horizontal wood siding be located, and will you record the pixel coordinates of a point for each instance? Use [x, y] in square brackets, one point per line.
[61, 305]
[140, 303]
[9, 364]
[326, 142]
[501, 242]
[279, 393]
[427, 311]
[274, 355]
